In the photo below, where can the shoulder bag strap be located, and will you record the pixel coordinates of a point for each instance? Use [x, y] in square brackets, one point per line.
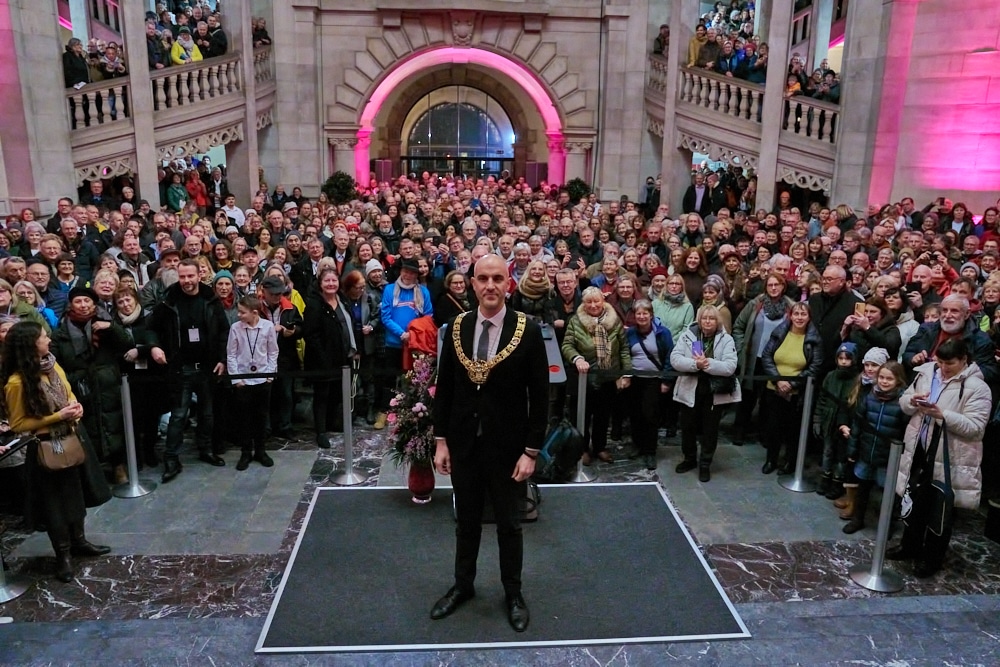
[656, 362]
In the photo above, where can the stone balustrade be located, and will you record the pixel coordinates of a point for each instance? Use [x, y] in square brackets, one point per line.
[728, 96]
[812, 119]
[263, 64]
[100, 103]
[657, 79]
[187, 85]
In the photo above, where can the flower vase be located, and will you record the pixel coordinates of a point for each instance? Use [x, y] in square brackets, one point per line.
[420, 482]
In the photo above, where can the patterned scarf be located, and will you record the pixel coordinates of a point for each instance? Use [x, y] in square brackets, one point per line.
[601, 343]
[55, 394]
[774, 309]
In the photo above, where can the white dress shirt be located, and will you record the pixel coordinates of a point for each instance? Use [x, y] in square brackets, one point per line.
[494, 332]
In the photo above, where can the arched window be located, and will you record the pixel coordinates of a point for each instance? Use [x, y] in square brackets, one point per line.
[458, 121]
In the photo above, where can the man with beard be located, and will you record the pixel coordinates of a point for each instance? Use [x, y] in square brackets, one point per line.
[189, 331]
[954, 323]
[155, 290]
[38, 274]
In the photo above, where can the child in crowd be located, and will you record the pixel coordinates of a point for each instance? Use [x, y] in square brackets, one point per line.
[878, 419]
[252, 348]
[872, 361]
[932, 313]
[831, 409]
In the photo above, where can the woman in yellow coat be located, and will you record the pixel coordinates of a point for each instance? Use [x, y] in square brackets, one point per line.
[184, 50]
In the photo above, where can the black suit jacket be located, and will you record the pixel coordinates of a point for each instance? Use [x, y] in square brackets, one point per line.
[512, 405]
[691, 197]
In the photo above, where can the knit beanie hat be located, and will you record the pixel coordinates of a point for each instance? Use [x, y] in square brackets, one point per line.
[372, 265]
[850, 349]
[876, 355]
[223, 274]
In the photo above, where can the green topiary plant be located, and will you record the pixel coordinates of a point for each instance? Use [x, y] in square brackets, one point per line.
[340, 188]
[578, 189]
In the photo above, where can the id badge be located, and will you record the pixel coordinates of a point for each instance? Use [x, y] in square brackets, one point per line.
[194, 336]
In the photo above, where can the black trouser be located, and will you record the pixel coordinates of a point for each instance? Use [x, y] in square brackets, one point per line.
[327, 405]
[387, 375]
[646, 403]
[600, 398]
[474, 476]
[783, 429]
[752, 393]
[282, 402]
[192, 380]
[251, 403]
[701, 420]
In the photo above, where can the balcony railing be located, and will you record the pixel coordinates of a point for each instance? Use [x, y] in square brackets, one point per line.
[811, 119]
[263, 64]
[101, 103]
[657, 80]
[187, 85]
[731, 97]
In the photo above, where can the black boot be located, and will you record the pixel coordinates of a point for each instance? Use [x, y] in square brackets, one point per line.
[261, 457]
[79, 546]
[245, 458]
[825, 482]
[857, 521]
[62, 546]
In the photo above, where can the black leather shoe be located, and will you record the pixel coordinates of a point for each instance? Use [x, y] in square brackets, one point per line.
[262, 458]
[244, 461]
[685, 465]
[171, 468]
[212, 459]
[922, 569]
[451, 601]
[87, 549]
[517, 612]
[704, 473]
[64, 566]
[323, 441]
[768, 467]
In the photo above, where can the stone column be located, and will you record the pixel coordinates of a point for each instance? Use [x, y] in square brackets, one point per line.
[762, 19]
[395, 151]
[819, 36]
[872, 100]
[78, 16]
[576, 159]
[242, 158]
[147, 158]
[520, 159]
[343, 154]
[557, 158]
[780, 29]
[675, 163]
[362, 157]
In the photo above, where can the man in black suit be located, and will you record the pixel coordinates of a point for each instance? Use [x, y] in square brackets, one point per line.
[698, 198]
[489, 423]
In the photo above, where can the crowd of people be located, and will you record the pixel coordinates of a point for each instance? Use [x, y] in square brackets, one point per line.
[893, 313]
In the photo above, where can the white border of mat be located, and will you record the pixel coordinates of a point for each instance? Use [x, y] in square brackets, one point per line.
[388, 648]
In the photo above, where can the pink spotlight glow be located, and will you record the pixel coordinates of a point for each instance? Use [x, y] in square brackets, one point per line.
[517, 71]
[65, 23]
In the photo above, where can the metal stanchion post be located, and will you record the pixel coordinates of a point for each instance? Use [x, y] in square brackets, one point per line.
[12, 588]
[582, 473]
[874, 577]
[350, 475]
[795, 482]
[132, 488]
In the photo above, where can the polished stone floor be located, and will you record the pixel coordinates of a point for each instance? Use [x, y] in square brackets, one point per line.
[196, 564]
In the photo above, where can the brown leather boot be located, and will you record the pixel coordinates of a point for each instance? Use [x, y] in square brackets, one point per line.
[851, 494]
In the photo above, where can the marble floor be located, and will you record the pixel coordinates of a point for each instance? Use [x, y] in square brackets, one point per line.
[196, 564]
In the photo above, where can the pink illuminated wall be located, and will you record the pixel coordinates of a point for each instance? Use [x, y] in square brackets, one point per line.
[514, 70]
[949, 125]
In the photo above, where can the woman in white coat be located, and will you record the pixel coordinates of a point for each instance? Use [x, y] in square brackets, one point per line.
[703, 351]
[950, 395]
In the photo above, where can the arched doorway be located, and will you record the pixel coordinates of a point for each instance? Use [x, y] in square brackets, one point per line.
[458, 130]
[538, 144]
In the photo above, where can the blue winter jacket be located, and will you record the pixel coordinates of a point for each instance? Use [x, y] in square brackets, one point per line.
[875, 423]
[664, 342]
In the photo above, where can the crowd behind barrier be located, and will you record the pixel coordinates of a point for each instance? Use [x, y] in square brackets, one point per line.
[675, 321]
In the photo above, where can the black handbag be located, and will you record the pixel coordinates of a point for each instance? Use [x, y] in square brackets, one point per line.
[722, 384]
[927, 501]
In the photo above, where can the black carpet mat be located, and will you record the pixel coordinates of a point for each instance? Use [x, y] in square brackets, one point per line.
[604, 564]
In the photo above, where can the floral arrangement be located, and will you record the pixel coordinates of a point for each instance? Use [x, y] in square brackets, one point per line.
[411, 428]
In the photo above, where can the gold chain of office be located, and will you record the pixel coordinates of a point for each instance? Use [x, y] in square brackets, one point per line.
[479, 369]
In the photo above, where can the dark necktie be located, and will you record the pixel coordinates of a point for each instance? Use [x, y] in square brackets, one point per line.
[483, 350]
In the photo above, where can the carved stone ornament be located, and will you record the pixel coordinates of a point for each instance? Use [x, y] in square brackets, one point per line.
[111, 168]
[793, 176]
[265, 119]
[463, 25]
[654, 126]
[715, 152]
[201, 144]
[342, 142]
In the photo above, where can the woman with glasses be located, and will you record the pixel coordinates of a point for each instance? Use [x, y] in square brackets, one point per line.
[753, 328]
[454, 299]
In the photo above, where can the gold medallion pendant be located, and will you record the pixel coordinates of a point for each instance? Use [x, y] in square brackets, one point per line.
[479, 369]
